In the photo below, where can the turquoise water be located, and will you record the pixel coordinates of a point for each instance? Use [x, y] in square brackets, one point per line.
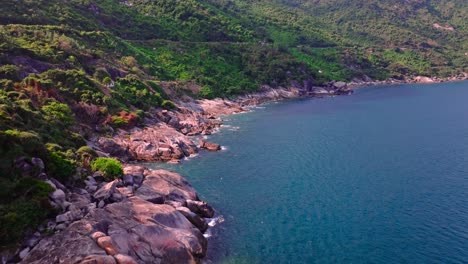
[377, 177]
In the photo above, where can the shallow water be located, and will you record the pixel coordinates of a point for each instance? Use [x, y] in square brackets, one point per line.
[377, 177]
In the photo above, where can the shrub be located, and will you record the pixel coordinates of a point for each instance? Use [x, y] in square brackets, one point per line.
[118, 121]
[18, 217]
[85, 150]
[107, 81]
[32, 188]
[206, 92]
[166, 104]
[29, 141]
[9, 72]
[100, 73]
[58, 113]
[26, 207]
[59, 165]
[109, 167]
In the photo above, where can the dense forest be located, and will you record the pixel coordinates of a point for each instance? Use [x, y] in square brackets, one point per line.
[71, 68]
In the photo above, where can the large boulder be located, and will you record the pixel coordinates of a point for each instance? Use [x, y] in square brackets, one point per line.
[70, 246]
[161, 185]
[200, 208]
[106, 192]
[157, 143]
[196, 220]
[210, 146]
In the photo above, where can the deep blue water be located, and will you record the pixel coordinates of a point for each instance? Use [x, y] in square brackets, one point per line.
[377, 177]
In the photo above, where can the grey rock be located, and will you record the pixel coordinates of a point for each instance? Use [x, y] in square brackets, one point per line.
[200, 208]
[98, 259]
[126, 191]
[58, 196]
[80, 201]
[51, 184]
[58, 184]
[33, 240]
[196, 220]
[69, 246]
[210, 146]
[133, 230]
[37, 162]
[23, 253]
[42, 176]
[124, 259]
[340, 85]
[60, 227]
[70, 216]
[127, 179]
[91, 188]
[106, 191]
[162, 185]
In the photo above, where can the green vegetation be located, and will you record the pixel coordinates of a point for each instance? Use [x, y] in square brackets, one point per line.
[24, 205]
[69, 67]
[109, 167]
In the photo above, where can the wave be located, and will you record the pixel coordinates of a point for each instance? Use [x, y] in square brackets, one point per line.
[191, 156]
[211, 223]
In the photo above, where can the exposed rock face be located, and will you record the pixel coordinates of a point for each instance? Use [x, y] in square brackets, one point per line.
[161, 186]
[200, 208]
[148, 217]
[210, 146]
[157, 143]
[423, 79]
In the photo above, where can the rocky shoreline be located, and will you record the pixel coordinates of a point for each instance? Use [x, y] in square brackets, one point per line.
[170, 136]
[143, 217]
[152, 216]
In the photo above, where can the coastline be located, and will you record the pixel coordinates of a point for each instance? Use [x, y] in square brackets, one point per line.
[171, 136]
[167, 136]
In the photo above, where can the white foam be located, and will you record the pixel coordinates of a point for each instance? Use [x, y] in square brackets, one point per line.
[215, 220]
[207, 233]
[191, 156]
[223, 148]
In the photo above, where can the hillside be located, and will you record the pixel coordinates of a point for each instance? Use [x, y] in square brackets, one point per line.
[70, 69]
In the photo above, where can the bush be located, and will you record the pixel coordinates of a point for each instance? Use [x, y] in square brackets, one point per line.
[9, 72]
[107, 81]
[58, 113]
[206, 92]
[166, 104]
[32, 188]
[29, 141]
[88, 151]
[60, 166]
[111, 168]
[19, 217]
[25, 207]
[118, 122]
[100, 74]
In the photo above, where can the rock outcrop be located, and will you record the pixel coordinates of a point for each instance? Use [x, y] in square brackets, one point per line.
[156, 143]
[144, 217]
[210, 146]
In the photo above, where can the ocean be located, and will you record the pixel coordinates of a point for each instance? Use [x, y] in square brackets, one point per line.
[380, 176]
